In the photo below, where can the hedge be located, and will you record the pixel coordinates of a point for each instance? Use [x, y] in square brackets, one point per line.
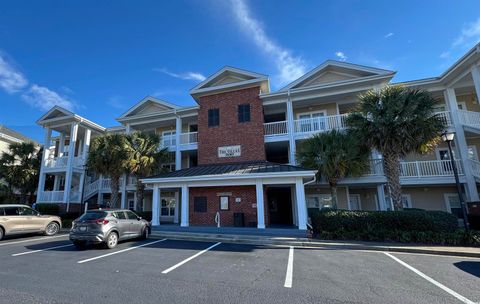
[54, 209]
[427, 227]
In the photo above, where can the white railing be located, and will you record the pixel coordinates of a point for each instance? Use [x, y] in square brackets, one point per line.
[168, 141]
[445, 117]
[320, 124]
[92, 187]
[429, 168]
[57, 162]
[78, 161]
[376, 167]
[475, 166]
[51, 196]
[105, 184]
[469, 118]
[275, 128]
[188, 138]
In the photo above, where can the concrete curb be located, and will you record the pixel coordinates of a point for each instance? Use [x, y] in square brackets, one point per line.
[309, 243]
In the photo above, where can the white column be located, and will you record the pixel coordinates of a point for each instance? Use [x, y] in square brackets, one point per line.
[476, 80]
[461, 145]
[260, 204]
[61, 145]
[69, 170]
[301, 203]
[135, 206]
[347, 191]
[294, 206]
[185, 201]
[156, 206]
[178, 153]
[381, 198]
[86, 147]
[128, 129]
[123, 191]
[175, 212]
[46, 151]
[291, 132]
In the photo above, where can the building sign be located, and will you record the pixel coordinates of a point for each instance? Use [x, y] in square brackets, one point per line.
[229, 151]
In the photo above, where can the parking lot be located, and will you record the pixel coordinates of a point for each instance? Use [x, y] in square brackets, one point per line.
[38, 269]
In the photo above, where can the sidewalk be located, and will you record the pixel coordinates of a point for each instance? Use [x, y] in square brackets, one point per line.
[276, 237]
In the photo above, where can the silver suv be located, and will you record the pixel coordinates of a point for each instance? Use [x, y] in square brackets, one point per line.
[20, 219]
[108, 226]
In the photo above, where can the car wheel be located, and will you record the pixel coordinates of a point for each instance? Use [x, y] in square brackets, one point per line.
[145, 233]
[80, 245]
[112, 240]
[52, 229]
[1, 233]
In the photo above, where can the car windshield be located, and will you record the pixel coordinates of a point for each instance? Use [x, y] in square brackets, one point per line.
[93, 215]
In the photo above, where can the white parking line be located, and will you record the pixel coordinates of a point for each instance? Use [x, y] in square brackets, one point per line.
[289, 275]
[429, 279]
[40, 250]
[33, 240]
[120, 251]
[190, 258]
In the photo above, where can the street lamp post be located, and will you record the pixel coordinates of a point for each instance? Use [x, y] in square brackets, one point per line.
[448, 138]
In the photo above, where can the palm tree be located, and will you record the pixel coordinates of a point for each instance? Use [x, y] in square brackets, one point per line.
[396, 121]
[108, 156]
[335, 155]
[19, 167]
[144, 158]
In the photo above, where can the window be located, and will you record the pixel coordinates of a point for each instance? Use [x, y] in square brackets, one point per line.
[453, 204]
[119, 215]
[406, 201]
[200, 204]
[213, 117]
[244, 112]
[131, 215]
[169, 138]
[312, 122]
[319, 201]
[169, 167]
[167, 206]
[11, 211]
[27, 211]
[2, 212]
[131, 204]
[355, 202]
[224, 203]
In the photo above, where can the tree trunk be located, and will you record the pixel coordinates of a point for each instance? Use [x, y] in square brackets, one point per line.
[140, 192]
[392, 172]
[114, 188]
[333, 189]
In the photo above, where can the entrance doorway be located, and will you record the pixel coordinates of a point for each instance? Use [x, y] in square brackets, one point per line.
[280, 206]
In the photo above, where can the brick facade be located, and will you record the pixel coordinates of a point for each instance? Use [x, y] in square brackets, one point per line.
[249, 135]
[247, 194]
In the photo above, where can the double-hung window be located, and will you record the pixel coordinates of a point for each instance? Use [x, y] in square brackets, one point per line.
[213, 117]
[244, 112]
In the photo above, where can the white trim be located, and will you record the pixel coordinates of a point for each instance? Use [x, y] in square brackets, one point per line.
[226, 69]
[447, 201]
[149, 99]
[324, 112]
[408, 198]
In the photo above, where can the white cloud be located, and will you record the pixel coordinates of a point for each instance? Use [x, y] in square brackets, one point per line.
[341, 56]
[389, 35]
[116, 102]
[445, 54]
[44, 98]
[11, 80]
[186, 76]
[470, 35]
[289, 67]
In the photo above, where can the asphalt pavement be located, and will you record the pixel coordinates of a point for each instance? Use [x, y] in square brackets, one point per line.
[35, 269]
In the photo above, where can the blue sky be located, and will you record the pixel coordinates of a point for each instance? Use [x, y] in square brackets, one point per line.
[98, 58]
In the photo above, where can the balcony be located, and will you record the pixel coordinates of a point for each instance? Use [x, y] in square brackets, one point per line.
[429, 168]
[470, 119]
[303, 128]
[60, 163]
[57, 196]
[188, 141]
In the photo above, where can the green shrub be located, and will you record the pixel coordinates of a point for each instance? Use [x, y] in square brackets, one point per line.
[474, 220]
[52, 209]
[413, 226]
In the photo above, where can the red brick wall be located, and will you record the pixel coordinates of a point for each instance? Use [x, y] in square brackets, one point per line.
[246, 193]
[249, 135]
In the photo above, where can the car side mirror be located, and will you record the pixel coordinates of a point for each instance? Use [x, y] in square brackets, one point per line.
[139, 218]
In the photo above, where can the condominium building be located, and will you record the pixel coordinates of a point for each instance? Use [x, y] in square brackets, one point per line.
[233, 152]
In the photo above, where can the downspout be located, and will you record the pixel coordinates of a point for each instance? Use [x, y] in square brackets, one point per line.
[309, 225]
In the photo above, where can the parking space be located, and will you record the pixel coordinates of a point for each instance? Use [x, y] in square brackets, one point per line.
[51, 269]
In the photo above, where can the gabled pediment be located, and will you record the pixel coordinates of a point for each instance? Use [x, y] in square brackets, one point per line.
[228, 78]
[56, 112]
[149, 105]
[331, 72]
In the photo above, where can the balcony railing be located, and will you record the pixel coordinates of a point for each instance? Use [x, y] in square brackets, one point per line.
[320, 124]
[170, 141]
[62, 161]
[469, 118]
[275, 128]
[188, 138]
[57, 196]
[475, 167]
[445, 117]
[429, 168]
